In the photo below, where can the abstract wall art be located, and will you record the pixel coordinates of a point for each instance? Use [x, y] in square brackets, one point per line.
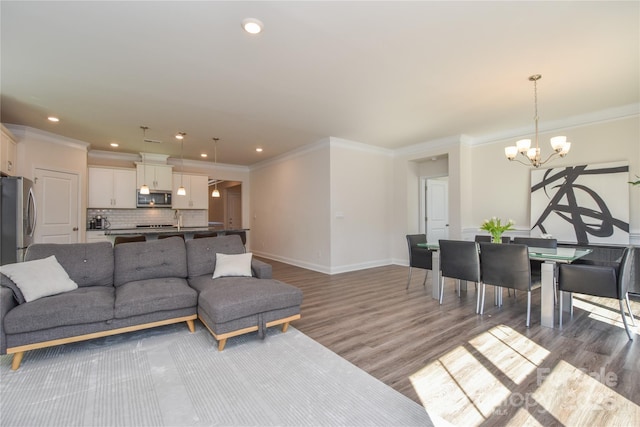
[581, 204]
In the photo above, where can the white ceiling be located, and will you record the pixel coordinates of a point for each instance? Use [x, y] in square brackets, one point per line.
[389, 74]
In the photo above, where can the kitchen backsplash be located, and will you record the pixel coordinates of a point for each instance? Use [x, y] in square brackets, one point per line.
[129, 218]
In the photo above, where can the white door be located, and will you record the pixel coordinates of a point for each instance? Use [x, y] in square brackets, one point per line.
[234, 210]
[57, 206]
[437, 210]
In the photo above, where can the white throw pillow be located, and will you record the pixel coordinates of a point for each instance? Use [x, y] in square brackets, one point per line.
[232, 265]
[39, 278]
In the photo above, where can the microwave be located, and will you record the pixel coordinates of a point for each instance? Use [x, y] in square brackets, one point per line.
[155, 199]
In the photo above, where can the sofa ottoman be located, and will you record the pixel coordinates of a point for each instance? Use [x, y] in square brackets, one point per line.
[229, 307]
[232, 306]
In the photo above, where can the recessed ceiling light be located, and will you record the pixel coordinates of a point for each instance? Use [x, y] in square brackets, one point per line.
[259, 149]
[114, 144]
[180, 135]
[203, 155]
[252, 26]
[53, 119]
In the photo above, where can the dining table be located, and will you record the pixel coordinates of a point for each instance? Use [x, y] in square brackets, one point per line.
[549, 257]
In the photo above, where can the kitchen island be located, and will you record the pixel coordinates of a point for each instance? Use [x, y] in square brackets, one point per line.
[152, 233]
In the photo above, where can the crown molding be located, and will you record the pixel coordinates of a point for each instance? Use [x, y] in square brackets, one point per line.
[435, 144]
[359, 146]
[25, 132]
[125, 157]
[300, 151]
[603, 116]
[202, 164]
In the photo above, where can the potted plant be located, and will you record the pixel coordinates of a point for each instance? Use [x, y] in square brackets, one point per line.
[495, 227]
[635, 182]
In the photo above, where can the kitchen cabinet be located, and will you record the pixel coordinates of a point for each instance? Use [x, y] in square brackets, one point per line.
[157, 177]
[197, 187]
[8, 153]
[112, 188]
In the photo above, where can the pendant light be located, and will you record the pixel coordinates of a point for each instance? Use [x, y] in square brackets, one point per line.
[215, 192]
[144, 188]
[559, 144]
[181, 190]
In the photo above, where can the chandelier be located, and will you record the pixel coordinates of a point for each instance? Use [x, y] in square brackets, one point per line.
[559, 144]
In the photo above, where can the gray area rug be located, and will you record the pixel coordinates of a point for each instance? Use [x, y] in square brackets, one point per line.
[169, 377]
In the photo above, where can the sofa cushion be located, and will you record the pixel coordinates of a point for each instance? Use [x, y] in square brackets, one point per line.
[233, 265]
[84, 305]
[152, 295]
[230, 298]
[201, 253]
[150, 260]
[39, 278]
[88, 264]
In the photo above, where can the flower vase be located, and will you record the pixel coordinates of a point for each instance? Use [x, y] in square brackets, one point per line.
[496, 238]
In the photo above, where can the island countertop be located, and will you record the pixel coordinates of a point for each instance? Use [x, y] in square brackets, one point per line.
[166, 230]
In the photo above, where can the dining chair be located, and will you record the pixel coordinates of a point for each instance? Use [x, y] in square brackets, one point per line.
[460, 260]
[608, 281]
[419, 257]
[536, 266]
[128, 239]
[507, 266]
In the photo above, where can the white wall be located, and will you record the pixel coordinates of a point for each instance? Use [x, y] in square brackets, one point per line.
[502, 189]
[484, 184]
[38, 149]
[290, 207]
[360, 214]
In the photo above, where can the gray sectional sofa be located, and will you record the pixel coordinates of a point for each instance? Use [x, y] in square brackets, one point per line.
[142, 285]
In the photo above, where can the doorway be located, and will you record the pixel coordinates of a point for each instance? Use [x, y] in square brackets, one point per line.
[57, 202]
[225, 212]
[434, 208]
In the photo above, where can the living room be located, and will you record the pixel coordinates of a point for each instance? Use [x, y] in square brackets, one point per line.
[338, 204]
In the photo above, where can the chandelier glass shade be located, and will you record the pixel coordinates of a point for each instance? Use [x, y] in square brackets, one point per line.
[559, 144]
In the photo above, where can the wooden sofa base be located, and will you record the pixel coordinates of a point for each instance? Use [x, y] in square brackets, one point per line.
[222, 338]
[18, 352]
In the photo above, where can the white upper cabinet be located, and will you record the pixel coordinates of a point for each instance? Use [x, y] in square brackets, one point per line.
[157, 177]
[8, 153]
[112, 188]
[197, 187]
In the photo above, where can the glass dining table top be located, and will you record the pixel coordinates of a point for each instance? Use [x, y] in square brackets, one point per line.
[541, 254]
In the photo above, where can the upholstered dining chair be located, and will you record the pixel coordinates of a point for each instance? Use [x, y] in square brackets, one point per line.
[418, 257]
[507, 266]
[460, 260]
[608, 281]
[536, 266]
[128, 239]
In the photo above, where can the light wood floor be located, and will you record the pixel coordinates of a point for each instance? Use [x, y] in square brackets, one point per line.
[470, 369]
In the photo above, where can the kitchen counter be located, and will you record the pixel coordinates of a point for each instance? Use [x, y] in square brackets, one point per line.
[165, 230]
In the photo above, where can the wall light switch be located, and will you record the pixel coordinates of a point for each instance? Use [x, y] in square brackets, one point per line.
[339, 215]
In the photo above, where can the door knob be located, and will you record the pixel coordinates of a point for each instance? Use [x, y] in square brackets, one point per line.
[75, 228]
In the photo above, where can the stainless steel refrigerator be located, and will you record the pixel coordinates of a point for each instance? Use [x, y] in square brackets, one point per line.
[17, 218]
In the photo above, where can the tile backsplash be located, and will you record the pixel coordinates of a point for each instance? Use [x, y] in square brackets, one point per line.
[129, 218]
